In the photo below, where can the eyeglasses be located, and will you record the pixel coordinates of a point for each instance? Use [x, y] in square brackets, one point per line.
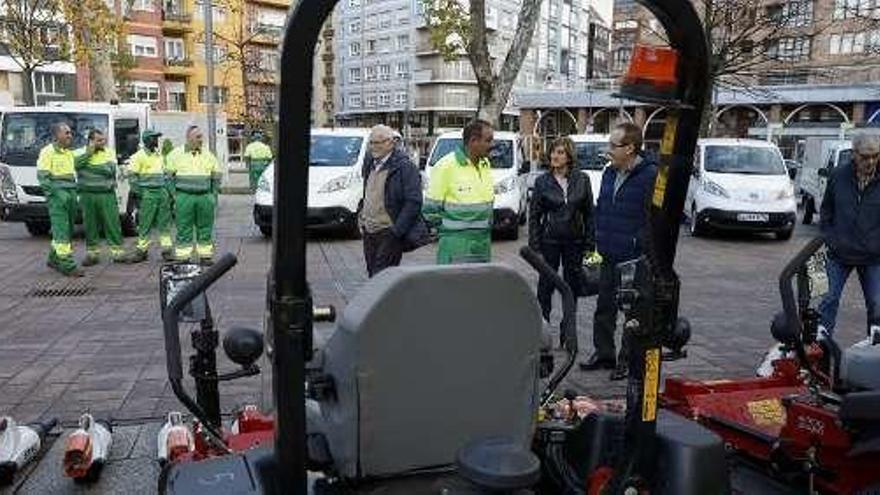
[379, 141]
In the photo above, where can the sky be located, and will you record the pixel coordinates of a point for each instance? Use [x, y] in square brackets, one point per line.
[604, 7]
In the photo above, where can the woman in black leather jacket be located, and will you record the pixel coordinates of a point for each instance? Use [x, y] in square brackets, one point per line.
[561, 220]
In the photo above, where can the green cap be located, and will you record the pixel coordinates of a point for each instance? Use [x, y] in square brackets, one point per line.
[150, 133]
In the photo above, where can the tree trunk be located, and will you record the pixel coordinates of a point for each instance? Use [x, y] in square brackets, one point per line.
[489, 107]
[103, 81]
[27, 86]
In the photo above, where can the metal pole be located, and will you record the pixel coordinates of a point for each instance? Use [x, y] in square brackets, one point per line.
[209, 63]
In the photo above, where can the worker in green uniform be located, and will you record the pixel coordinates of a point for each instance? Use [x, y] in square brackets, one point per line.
[56, 173]
[196, 177]
[96, 181]
[460, 198]
[257, 156]
[147, 177]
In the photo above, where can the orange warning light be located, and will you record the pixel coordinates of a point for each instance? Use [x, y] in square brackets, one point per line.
[651, 74]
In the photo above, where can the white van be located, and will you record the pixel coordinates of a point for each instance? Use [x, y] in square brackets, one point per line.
[821, 156]
[591, 152]
[740, 184]
[335, 182]
[24, 131]
[509, 171]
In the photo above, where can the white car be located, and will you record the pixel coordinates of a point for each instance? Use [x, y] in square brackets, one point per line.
[509, 171]
[740, 184]
[335, 182]
[592, 157]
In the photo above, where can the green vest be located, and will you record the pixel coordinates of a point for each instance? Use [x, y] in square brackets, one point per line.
[96, 172]
[259, 153]
[56, 169]
[147, 169]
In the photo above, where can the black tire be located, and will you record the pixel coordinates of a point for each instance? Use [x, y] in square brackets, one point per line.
[266, 230]
[809, 211]
[38, 228]
[694, 228]
[784, 235]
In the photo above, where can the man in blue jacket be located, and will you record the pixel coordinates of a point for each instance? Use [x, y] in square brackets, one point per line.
[850, 223]
[390, 216]
[621, 225]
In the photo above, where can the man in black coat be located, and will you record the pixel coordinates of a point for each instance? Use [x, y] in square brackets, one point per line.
[850, 223]
[390, 216]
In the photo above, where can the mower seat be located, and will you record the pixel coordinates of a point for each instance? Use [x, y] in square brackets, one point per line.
[860, 366]
[425, 360]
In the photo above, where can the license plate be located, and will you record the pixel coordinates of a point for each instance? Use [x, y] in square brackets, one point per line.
[753, 217]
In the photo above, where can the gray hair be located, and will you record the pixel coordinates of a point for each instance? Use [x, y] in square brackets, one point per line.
[865, 139]
[382, 131]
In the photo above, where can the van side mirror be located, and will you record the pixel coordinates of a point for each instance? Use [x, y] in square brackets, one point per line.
[792, 173]
[823, 172]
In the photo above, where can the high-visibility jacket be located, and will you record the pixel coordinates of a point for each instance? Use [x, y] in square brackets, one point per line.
[96, 172]
[56, 168]
[194, 171]
[259, 153]
[459, 202]
[147, 169]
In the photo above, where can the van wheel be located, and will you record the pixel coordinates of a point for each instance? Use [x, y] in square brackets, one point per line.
[38, 228]
[809, 211]
[784, 235]
[266, 230]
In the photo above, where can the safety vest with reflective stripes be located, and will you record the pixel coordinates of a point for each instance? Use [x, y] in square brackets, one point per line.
[56, 168]
[259, 153]
[96, 172]
[460, 195]
[194, 172]
[147, 169]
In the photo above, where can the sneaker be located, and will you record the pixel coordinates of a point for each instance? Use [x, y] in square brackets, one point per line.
[90, 260]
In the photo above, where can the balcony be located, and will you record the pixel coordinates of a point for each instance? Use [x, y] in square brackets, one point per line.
[453, 102]
[179, 66]
[174, 20]
[265, 34]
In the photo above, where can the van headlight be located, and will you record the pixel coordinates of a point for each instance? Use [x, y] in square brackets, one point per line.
[338, 184]
[7, 186]
[714, 189]
[786, 192]
[263, 185]
[504, 186]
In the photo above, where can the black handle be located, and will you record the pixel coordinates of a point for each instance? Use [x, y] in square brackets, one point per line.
[568, 326]
[789, 303]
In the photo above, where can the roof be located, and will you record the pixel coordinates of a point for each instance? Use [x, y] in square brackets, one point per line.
[760, 95]
[751, 143]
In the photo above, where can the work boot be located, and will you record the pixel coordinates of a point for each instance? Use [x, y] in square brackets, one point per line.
[75, 273]
[136, 256]
[167, 255]
[207, 261]
[90, 260]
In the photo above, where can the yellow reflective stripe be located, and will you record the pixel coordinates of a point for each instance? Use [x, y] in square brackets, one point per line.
[205, 250]
[450, 224]
[143, 244]
[62, 248]
[116, 251]
[183, 252]
[165, 241]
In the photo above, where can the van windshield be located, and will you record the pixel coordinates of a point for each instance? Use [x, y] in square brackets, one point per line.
[23, 135]
[743, 160]
[501, 155]
[335, 151]
[591, 156]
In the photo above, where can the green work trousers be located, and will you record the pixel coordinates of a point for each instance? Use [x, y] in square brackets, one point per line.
[154, 213]
[62, 214]
[101, 222]
[255, 170]
[194, 212]
[465, 246]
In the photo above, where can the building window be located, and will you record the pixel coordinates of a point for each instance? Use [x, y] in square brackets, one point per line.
[49, 84]
[144, 5]
[221, 94]
[142, 46]
[354, 49]
[848, 43]
[789, 49]
[354, 75]
[400, 98]
[174, 49]
[144, 91]
[371, 47]
[385, 72]
[403, 19]
[354, 27]
[402, 41]
[218, 13]
[554, 9]
[270, 60]
[371, 101]
[402, 70]
[354, 3]
[849, 9]
[176, 94]
[354, 100]
[621, 57]
[219, 52]
[370, 73]
[384, 45]
[384, 100]
[785, 78]
[385, 20]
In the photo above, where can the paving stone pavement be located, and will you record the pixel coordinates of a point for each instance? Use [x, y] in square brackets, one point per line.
[101, 349]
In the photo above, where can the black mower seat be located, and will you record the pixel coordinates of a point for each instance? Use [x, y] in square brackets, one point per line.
[859, 367]
[499, 464]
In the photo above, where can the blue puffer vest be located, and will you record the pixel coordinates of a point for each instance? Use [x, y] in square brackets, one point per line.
[621, 218]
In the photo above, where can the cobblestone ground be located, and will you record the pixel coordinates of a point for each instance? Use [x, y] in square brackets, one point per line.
[100, 347]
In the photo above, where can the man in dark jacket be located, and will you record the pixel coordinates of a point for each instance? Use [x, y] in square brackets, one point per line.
[621, 223]
[850, 223]
[390, 217]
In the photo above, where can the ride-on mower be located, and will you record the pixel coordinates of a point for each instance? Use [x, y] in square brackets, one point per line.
[431, 380]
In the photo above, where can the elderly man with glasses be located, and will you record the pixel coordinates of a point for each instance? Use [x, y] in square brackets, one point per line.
[850, 223]
[390, 217]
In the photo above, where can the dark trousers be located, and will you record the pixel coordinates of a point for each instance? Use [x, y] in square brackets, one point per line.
[605, 318]
[570, 254]
[381, 250]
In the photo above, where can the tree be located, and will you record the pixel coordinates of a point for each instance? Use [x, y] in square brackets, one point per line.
[35, 36]
[454, 30]
[97, 35]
